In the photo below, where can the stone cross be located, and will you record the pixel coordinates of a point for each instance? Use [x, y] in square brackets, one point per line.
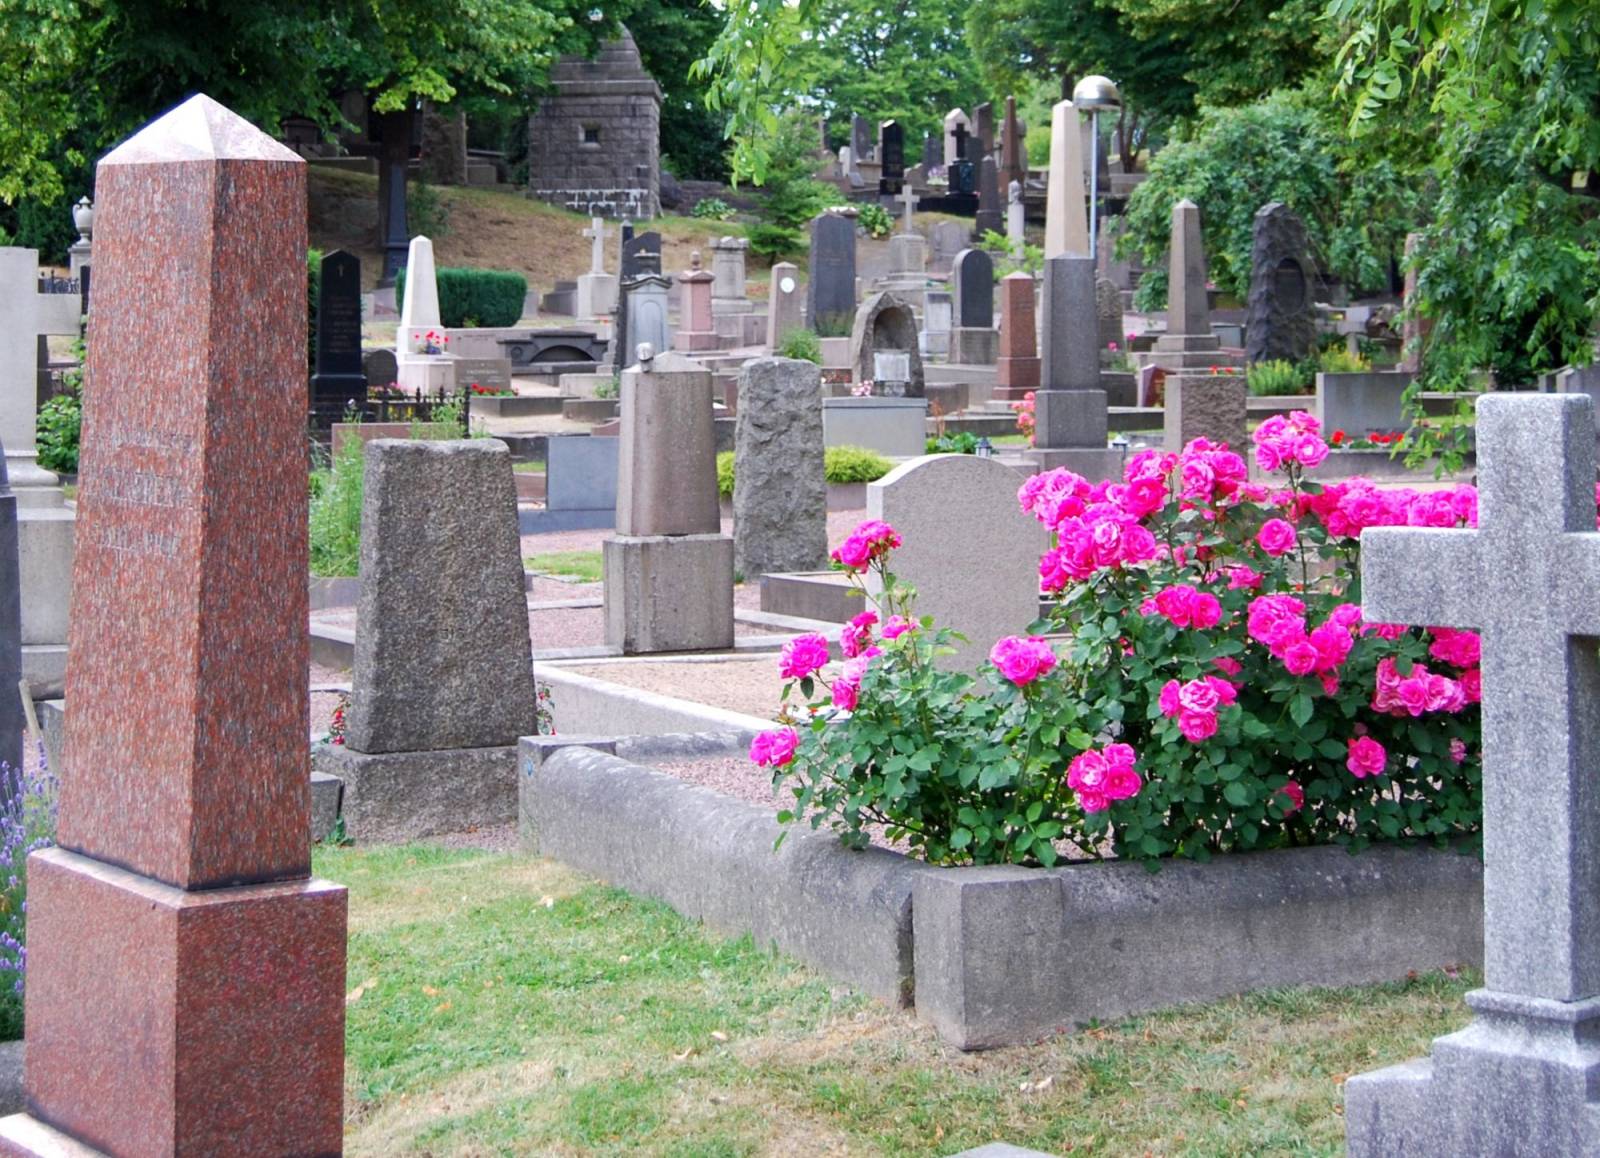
[1515, 1080]
[909, 198]
[960, 134]
[185, 975]
[596, 233]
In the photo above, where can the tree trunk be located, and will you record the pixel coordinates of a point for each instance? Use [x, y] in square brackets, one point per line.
[394, 156]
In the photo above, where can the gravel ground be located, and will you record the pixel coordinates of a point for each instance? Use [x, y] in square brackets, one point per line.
[750, 686]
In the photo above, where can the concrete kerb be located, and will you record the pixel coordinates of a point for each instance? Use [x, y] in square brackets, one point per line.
[587, 705]
[1000, 956]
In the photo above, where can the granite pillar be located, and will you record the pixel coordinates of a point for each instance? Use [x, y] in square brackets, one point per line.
[1066, 221]
[185, 975]
[1069, 410]
[784, 304]
[780, 496]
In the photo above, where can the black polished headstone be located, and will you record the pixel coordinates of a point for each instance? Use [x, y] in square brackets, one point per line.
[831, 292]
[892, 157]
[641, 254]
[972, 288]
[991, 215]
[860, 138]
[338, 377]
[12, 718]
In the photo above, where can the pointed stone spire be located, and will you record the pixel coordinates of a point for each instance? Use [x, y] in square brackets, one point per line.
[1066, 221]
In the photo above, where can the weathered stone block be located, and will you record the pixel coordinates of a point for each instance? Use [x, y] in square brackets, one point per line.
[668, 593]
[398, 796]
[780, 495]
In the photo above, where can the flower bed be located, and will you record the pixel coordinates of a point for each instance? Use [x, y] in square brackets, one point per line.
[1206, 683]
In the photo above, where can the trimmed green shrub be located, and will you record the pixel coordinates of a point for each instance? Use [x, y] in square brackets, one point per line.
[1338, 360]
[60, 421]
[775, 242]
[840, 464]
[1277, 377]
[801, 344]
[875, 220]
[475, 297]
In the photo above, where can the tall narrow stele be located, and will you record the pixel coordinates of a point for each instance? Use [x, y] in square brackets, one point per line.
[185, 975]
[1066, 213]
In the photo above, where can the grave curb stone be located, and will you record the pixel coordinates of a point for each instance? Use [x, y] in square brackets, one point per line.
[391, 797]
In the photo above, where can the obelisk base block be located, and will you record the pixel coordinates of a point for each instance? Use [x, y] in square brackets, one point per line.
[668, 593]
[1070, 418]
[429, 373]
[1014, 377]
[974, 345]
[400, 796]
[162, 1021]
[1205, 406]
[1515, 1081]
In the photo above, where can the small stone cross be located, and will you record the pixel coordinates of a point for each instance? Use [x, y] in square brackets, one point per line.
[596, 233]
[909, 197]
[960, 134]
[1527, 579]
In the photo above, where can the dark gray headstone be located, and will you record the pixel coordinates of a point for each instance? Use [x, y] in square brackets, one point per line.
[991, 216]
[380, 367]
[11, 715]
[1281, 321]
[442, 658]
[641, 254]
[962, 177]
[891, 157]
[831, 292]
[983, 130]
[339, 375]
[860, 137]
[932, 155]
[780, 497]
[972, 281]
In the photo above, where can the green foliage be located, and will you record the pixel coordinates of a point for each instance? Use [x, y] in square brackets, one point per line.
[1357, 209]
[840, 465]
[446, 422]
[313, 293]
[335, 526]
[802, 344]
[427, 214]
[60, 423]
[475, 297]
[1277, 377]
[712, 209]
[790, 195]
[1005, 258]
[775, 242]
[584, 566]
[963, 443]
[611, 389]
[1338, 360]
[875, 219]
[672, 35]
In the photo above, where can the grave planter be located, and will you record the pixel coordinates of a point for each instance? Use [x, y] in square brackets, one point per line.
[996, 956]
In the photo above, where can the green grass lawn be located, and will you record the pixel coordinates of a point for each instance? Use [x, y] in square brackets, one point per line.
[504, 1005]
[581, 565]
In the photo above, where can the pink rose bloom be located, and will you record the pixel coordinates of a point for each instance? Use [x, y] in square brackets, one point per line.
[847, 687]
[1022, 660]
[1333, 644]
[856, 636]
[1197, 726]
[1268, 456]
[803, 655]
[1458, 750]
[1301, 657]
[1099, 777]
[1445, 694]
[1226, 692]
[773, 749]
[1413, 692]
[1205, 610]
[1199, 696]
[1456, 648]
[897, 626]
[1310, 450]
[1277, 537]
[1243, 577]
[1168, 699]
[1330, 683]
[1366, 758]
[871, 540]
[1228, 664]
[1346, 615]
[1472, 685]
[854, 554]
[1295, 797]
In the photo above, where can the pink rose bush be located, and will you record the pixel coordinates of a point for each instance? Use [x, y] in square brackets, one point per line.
[1206, 681]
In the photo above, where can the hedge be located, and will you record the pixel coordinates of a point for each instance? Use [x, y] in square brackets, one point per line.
[475, 297]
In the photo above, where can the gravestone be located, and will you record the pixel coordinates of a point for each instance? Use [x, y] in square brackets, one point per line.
[339, 376]
[1519, 1078]
[492, 374]
[380, 367]
[728, 293]
[1013, 151]
[186, 977]
[1017, 370]
[991, 217]
[1188, 311]
[419, 316]
[561, 299]
[957, 128]
[580, 485]
[697, 329]
[1204, 405]
[1108, 315]
[784, 303]
[647, 321]
[973, 341]
[983, 131]
[938, 319]
[932, 153]
[1069, 410]
[831, 292]
[860, 137]
[668, 570]
[12, 722]
[1016, 219]
[443, 679]
[892, 157]
[641, 253]
[597, 289]
[640, 258]
[780, 497]
[945, 240]
[1066, 219]
[1281, 321]
[969, 551]
[884, 347]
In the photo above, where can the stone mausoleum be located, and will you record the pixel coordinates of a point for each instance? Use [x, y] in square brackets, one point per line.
[594, 145]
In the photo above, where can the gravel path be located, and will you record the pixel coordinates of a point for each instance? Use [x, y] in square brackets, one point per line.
[750, 686]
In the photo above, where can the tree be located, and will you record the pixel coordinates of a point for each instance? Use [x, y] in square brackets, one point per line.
[672, 35]
[1508, 268]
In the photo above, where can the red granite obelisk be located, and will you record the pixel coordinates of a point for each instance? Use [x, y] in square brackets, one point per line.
[1017, 371]
[185, 984]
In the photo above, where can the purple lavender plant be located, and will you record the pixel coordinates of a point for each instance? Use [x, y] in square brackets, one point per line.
[28, 806]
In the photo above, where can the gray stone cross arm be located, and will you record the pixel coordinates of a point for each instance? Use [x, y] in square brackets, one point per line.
[909, 196]
[1527, 580]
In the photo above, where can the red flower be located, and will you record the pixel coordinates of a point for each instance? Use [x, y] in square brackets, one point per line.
[1338, 438]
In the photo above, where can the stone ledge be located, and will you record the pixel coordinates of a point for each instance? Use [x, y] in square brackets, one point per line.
[400, 796]
[711, 858]
[1001, 956]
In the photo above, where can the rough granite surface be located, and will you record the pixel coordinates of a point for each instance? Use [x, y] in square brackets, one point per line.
[780, 495]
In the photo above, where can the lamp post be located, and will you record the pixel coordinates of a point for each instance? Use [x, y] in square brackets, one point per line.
[1095, 93]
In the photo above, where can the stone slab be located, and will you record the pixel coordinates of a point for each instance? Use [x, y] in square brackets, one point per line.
[581, 473]
[668, 593]
[230, 1030]
[1360, 404]
[586, 704]
[399, 796]
[780, 498]
[820, 595]
[1205, 406]
[895, 427]
[711, 858]
[326, 793]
